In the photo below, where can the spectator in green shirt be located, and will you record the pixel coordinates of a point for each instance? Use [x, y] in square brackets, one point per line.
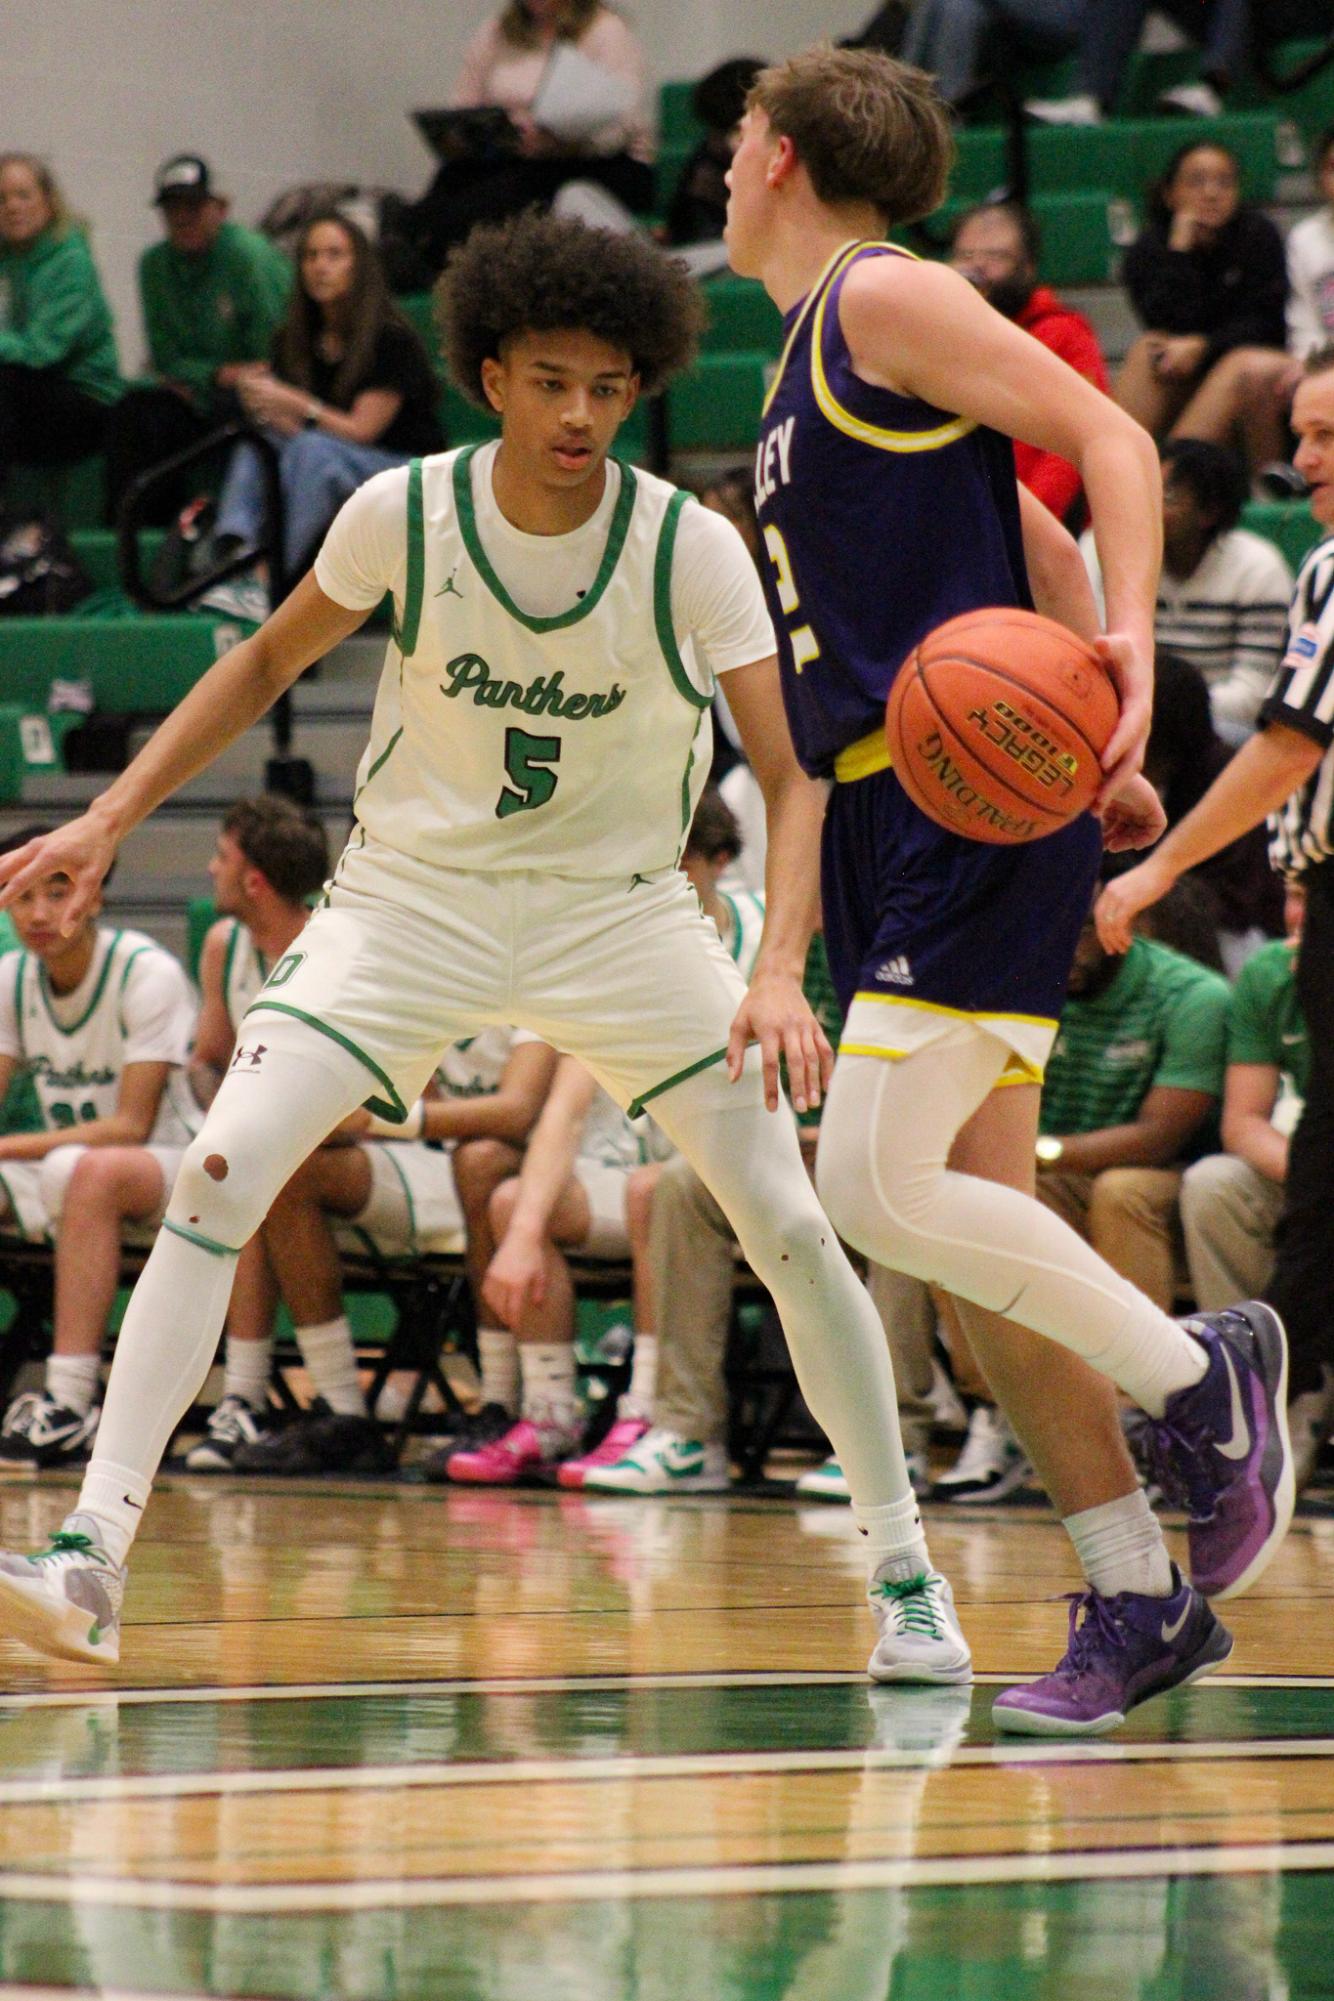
[1231, 1201]
[58, 372]
[214, 294]
[1131, 1094]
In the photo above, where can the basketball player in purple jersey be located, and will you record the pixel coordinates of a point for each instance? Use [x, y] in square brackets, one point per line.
[888, 503]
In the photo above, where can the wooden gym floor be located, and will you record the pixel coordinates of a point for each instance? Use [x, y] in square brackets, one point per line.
[392, 1743]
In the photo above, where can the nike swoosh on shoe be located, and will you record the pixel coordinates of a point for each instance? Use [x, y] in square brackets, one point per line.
[1239, 1444]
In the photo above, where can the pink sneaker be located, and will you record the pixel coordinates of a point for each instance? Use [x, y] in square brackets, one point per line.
[626, 1431]
[503, 1462]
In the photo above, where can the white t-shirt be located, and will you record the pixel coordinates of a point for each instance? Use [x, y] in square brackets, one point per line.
[1311, 283]
[716, 595]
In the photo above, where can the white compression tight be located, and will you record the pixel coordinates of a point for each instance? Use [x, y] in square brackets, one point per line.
[260, 1128]
[751, 1161]
[885, 1137]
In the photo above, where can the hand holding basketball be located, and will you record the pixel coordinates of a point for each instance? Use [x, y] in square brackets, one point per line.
[997, 724]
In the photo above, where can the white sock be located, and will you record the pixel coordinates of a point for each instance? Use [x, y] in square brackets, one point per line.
[331, 1364]
[1120, 1547]
[162, 1357]
[885, 1137]
[498, 1354]
[247, 1371]
[547, 1368]
[895, 1544]
[639, 1398]
[74, 1380]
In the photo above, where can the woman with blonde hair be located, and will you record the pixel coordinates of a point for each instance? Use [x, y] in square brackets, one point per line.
[503, 69]
[58, 371]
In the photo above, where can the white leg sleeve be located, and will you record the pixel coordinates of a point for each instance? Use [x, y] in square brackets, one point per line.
[886, 1134]
[259, 1130]
[751, 1162]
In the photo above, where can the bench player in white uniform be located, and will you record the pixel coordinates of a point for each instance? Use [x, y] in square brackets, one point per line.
[101, 1020]
[403, 1189]
[587, 1184]
[539, 739]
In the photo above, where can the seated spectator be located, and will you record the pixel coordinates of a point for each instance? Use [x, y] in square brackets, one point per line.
[1109, 32]
[58, 372]
[1184, 755]
[997, 246]
[698, 206]
[1232, 1202]
[565, 1195]
[405, 1187]
[101, 1022]
[1249, 394]
[503, 67]
[1206, 275]
[213, 295]
[955, 39]
[1223, 592]
[350, 393]
[1131, 1094]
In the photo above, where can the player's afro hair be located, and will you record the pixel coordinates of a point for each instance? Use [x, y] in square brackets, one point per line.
[547, 274]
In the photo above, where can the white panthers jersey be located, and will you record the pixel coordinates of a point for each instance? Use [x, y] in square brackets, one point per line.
[576, 744]
[745, 916]
[473, 1069]
[134, 1005]
[244, 971]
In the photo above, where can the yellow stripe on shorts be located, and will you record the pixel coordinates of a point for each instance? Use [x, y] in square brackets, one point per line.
[858, 760]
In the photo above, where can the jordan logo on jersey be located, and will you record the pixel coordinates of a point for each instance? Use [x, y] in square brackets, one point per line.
[449, 588]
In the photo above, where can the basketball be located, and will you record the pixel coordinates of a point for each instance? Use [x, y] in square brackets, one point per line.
[997, 722]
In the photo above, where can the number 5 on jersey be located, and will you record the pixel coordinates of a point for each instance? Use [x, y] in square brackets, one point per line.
[526, 759]
[805, 646]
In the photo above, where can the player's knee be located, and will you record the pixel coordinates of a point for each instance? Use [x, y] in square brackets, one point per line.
[881, 1213]
[1207, 1184]
[480, 1165]
[216, 1196]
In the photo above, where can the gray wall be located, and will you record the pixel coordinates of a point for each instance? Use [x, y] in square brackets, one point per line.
[279, 91]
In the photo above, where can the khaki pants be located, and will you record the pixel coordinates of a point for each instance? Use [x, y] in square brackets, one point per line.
[1130, 1216]
[692, 1263]
[1229, 1212]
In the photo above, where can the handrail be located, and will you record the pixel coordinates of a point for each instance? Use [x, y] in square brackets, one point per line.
[128, 523]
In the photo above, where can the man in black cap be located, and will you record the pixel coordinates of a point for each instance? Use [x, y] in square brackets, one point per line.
[213, 294]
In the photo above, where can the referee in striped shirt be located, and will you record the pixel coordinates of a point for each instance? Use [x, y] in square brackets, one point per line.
[1286, 771]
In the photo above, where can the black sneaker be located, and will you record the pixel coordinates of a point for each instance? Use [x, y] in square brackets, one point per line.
[319, 1441]
[484, 1427]
[38, 1432]
[231, 1425]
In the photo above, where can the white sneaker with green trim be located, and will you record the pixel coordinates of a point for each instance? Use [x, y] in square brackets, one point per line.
[65, 1599]
[662, 1463]
[920, 1637]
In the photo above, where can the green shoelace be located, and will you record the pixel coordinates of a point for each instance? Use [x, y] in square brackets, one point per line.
[63, 1543]
[915, 1605]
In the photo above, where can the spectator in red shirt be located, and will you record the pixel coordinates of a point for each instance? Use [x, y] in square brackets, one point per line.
[997, 247]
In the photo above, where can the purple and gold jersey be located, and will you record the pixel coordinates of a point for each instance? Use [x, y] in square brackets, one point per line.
[882, 517]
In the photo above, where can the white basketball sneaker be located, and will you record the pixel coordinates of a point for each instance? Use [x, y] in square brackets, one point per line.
[920, 1637]
[662, 1463]
[65, 1599]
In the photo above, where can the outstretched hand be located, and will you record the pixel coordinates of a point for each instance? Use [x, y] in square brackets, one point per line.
[83, 850]
[777, 1015]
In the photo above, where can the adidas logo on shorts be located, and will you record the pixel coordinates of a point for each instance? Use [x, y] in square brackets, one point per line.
[895, 972]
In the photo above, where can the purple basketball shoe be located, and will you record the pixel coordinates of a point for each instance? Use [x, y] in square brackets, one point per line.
[1221, 1448]
[1126, 1649]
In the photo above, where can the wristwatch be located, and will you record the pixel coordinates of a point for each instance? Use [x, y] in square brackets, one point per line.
[1049, 1150]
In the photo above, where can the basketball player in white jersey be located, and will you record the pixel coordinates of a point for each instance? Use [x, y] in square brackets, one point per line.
[101, 1020]
[539, 739]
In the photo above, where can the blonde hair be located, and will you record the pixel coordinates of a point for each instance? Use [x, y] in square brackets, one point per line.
[865, 127]
[518, 26]
[61, 219]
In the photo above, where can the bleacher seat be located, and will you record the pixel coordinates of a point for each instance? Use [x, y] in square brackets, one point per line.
[1292, 527]
[75, 494]
[741, 315]
[715, 406]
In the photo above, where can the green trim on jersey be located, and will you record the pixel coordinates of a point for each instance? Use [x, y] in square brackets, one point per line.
[407, 1191]
[42, 988]
[472, 542]
[383, 758]
[391, 1106]
[137, 953]
[19, 972]
[405, 636]
[687, 813]
[662, 603]
[227, 958]
[691, 1070]
[203, 1243]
